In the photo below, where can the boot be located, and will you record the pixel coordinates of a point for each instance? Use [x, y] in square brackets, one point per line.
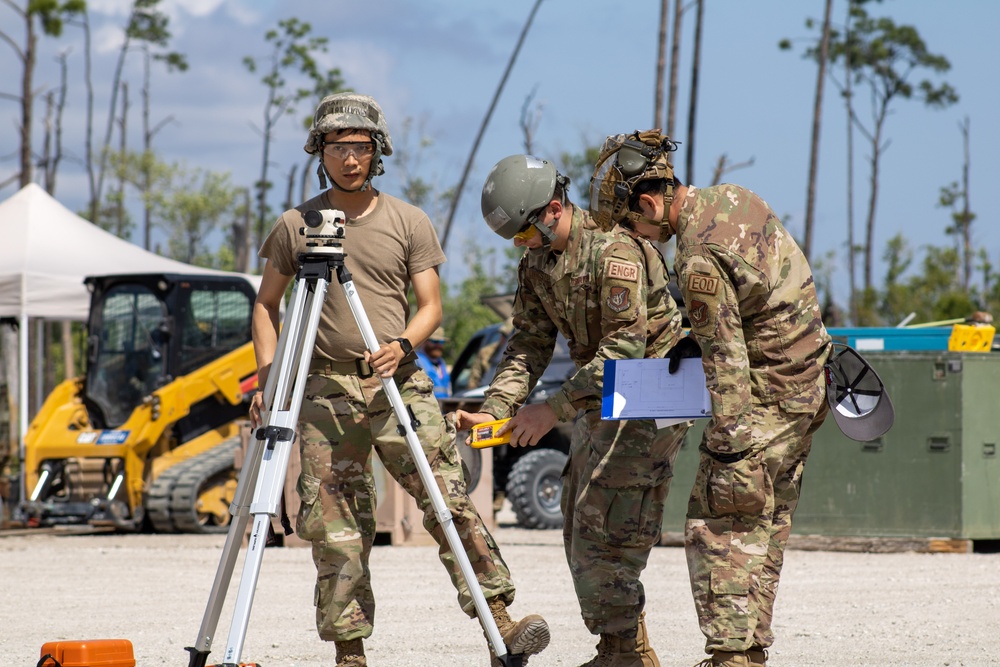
[526, 637]
[614, 651]
[351, 653]
[726, 659]
[646, 653]
[757, 656]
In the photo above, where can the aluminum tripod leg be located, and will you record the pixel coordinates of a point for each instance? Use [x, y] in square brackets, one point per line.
[264, 470]
[429, 481]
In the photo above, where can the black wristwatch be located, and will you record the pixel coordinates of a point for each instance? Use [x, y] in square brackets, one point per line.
[405, 344]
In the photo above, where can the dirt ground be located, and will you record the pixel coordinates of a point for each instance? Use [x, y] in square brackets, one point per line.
[833, 608]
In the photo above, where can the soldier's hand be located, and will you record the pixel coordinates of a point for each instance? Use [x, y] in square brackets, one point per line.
[256, 406]
[384, 362]
[530, 424]
[466, 420]
[686, 348]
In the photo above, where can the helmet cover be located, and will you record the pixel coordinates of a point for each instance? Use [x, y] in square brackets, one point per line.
[623, 163]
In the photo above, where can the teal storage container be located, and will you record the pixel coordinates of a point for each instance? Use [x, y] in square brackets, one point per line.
[872, 339]
[935, 474]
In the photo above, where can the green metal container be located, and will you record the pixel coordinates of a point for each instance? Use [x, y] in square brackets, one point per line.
[936, 473]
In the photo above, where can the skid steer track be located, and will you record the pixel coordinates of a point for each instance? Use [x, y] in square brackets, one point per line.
[173, 500]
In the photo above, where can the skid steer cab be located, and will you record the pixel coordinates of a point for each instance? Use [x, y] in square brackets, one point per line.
[146, 439]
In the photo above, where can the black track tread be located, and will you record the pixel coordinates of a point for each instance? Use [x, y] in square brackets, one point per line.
[194, 475]
[520, 491]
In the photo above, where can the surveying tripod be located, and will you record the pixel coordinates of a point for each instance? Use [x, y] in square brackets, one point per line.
[262, 478]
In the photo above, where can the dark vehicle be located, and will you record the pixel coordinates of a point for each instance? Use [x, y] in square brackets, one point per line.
[530, 477]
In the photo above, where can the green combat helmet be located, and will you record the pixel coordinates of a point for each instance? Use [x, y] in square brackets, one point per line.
[349, 111]
[624, 162]
[516, 189]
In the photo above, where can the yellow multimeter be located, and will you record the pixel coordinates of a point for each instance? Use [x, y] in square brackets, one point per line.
[485, 434]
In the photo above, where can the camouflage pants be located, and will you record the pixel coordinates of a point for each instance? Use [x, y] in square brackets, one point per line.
[614, 489]
[343, 418]
[738, 522]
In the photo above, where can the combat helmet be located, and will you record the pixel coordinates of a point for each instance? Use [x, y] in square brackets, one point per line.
[516, 188]
[349, 111]
[625, 161]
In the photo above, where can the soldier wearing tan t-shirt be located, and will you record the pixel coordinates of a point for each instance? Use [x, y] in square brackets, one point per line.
[390, 246]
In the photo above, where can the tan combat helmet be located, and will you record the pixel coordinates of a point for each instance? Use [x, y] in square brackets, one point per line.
[349, 111]
[625, 161]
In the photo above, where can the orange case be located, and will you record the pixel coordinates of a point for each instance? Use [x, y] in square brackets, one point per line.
[89, 653]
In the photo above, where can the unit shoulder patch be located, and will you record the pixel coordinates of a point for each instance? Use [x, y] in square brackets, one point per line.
[698, 313]
[619, 299]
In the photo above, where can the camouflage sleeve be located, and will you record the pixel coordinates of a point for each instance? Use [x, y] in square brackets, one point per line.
[620, 290]
[528, 352]
[717, 326]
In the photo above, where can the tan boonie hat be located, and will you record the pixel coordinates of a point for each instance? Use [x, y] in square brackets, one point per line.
[438, 336]
[858, 400]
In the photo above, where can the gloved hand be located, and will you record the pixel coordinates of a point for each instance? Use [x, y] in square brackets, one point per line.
[686, 348]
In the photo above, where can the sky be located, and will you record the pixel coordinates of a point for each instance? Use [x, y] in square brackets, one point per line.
[589, 66]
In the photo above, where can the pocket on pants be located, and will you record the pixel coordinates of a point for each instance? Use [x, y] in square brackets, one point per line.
[739, 488]
[623, 506]
[309, 523]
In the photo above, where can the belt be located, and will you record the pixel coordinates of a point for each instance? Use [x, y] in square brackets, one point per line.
[358, 367]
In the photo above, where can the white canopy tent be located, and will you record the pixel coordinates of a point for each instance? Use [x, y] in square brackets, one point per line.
[45, 253]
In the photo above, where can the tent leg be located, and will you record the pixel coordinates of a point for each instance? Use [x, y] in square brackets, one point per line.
[22, 402]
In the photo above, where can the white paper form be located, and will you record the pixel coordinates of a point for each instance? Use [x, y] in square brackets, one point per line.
[645, 389]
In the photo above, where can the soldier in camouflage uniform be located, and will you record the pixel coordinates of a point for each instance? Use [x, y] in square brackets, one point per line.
[756, 321]
[607, 294]
[345, 414]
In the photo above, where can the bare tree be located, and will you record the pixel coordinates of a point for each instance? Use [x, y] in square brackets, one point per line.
[675, 60]
[722, 167]
[884, 56]
[531, 116]
[147, 26]
[52, 153]
[661, 63]
[693, 102]
[486, 121]
[50, 16]
[824, 50]
[956, 197]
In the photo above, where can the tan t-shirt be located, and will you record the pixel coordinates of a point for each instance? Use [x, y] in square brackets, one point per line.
[383, 249]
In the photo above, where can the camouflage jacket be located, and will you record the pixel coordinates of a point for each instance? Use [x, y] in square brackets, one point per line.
[607, 295]
[753, 309]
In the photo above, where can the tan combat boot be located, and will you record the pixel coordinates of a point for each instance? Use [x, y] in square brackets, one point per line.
[757, 656]
[526, 637]
[613, 651]
[351, 653]
[726, 659]
[646, 653]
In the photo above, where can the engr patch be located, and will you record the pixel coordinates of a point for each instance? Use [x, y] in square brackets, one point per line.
[623, 271]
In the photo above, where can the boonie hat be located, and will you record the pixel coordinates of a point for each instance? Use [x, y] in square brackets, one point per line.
[857, 398]
[438, 336]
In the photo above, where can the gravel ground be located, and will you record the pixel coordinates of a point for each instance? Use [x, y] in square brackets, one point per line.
[833, 609]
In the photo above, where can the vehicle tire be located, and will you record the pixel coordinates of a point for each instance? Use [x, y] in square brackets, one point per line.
[472, 462]
[534, 488]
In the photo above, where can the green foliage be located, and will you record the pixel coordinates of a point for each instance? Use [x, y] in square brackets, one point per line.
[579, 167]
[52, 13]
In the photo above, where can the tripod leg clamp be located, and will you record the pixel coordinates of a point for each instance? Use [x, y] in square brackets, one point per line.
[275, 433]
